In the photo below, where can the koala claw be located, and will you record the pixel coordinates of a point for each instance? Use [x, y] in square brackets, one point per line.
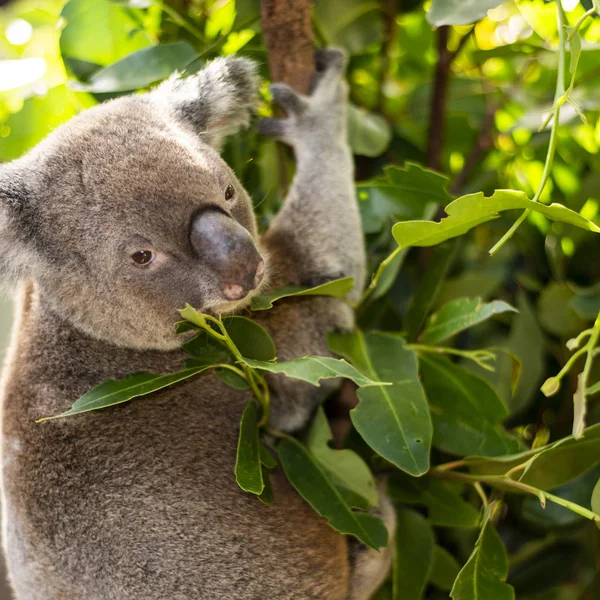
[331, 58]
[288, 99]
[321, 114]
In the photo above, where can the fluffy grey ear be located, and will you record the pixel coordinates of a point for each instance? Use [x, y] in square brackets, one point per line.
[16, 253]
[217, 101]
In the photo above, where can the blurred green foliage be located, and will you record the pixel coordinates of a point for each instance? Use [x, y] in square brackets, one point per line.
[59, 58]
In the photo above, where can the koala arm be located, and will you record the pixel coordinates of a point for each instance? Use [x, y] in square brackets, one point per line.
[317, 235]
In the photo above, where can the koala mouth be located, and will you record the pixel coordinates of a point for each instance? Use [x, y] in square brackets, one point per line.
[251, 282]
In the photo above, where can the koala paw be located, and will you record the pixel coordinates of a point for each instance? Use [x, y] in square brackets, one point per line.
[321, 114]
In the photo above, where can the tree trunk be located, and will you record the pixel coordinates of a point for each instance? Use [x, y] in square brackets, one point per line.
[287, 28]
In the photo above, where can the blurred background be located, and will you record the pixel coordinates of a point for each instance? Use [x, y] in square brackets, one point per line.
[58, 58]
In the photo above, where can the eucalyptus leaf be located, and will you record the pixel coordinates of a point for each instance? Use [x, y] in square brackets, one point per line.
[442, 499]
[483, 576]
[402, 192]
[140, 69]
[117, 391]
[337, 288]
[369, 134]
[100, 32]
[595, 500]
[314, 368]
[314, 484]
[444, 570]
[413, 555]
[250, 338]
[564, 460]
[425, 295]
[466, 411]
[469, 211]
[352, 24]
[266, 497]
[394, 420]
[459, 12]
[248, 467]
[460, 314]
[345, 467]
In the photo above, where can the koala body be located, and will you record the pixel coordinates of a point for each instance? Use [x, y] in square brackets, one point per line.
[117, 219]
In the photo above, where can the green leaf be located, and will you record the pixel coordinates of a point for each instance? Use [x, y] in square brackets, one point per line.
[564, 460]
[267, 494]
[232, 379]
[460, 314]
[369, 134]
[267, 459]
[394, 420]
[316, 487]
[555, 313]
[206, 349]
[248, 467]
[402, 192]
[459, 12]
[353, 24]
[466, 411]
[140, 69]
[483, 576]
[587, 302]
[38, 116]
[444, 569]
[345, 467]
[117, 391]
[469, 211]
[424, 297]
[595, 501]
[594, 389]
[527, 341]
[250, 338]
[413, 555]
[337, 288]
[314, 368]
[100, 32]
[445, 506]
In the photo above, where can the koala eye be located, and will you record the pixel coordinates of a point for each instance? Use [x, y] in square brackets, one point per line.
[229, 192]
[143, 258]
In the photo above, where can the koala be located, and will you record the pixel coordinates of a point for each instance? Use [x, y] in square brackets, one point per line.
[114, 221]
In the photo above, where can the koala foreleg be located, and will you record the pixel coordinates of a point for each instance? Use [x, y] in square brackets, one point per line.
[317, 235]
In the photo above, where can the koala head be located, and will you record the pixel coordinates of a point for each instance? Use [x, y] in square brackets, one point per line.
[127, 212]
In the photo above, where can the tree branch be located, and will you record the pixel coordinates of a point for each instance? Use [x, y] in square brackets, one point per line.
[287, 27]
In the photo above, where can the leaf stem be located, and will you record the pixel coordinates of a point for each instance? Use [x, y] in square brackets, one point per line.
[560, 90]
[580, 22]
[502, 482]
[380, 269]
[481, 357]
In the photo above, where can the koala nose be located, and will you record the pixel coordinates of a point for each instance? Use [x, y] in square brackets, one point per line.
[228, 249]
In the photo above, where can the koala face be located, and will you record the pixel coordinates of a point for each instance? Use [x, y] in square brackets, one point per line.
[127, 212]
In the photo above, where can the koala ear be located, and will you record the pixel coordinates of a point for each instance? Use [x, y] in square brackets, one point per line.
[217, 101]
[15, 251]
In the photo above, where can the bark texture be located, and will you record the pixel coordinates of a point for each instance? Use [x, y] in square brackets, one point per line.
[288, 33]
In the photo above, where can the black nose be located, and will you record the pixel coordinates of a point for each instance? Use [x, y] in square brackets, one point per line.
[228, 249]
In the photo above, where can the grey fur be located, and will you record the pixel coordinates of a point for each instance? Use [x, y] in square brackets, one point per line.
[139, 502]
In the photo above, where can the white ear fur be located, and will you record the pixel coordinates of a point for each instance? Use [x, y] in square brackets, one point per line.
[217, 101]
